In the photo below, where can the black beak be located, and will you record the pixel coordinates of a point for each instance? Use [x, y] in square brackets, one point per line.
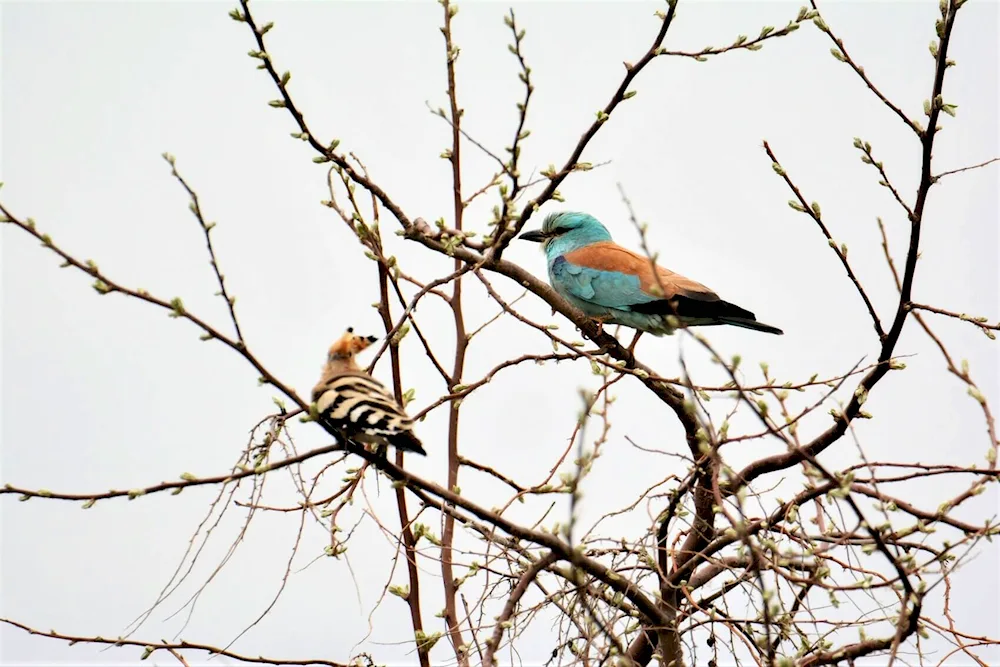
[372, 339]
[536, 235]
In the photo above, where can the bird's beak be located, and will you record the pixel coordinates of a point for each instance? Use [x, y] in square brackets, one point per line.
[536, 235]
[362, 343]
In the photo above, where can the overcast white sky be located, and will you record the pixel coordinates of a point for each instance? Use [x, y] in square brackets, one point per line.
[103, 392]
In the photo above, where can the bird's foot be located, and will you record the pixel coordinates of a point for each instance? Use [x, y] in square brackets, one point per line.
[631, 346]
[600, 320]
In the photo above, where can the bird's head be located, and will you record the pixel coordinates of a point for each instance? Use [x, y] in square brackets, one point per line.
[348, 345]
[567, 231]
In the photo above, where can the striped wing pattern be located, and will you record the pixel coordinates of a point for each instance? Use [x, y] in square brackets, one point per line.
[362, 408]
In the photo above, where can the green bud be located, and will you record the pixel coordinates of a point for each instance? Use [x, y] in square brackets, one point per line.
[177, 307]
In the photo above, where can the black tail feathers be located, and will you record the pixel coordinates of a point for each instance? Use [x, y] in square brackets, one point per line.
[406, 441]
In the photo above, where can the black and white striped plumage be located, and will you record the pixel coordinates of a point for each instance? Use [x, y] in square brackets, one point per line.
[358, 405]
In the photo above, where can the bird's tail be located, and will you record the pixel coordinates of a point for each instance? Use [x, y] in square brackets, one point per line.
[406, 441]
[751, 324]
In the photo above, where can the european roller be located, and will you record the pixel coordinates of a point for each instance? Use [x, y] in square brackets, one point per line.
[615, 285]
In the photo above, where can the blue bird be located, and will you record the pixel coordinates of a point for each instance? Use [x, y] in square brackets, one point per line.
[615, 285]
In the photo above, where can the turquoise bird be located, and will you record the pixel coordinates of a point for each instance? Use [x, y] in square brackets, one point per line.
[615, 285]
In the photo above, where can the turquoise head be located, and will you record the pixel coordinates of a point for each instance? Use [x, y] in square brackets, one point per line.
[565, 232]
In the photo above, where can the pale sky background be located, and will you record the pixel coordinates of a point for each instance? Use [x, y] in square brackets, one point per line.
[105, 392]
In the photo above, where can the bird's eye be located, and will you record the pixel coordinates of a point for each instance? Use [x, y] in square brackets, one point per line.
[558, 231]
[350, 329]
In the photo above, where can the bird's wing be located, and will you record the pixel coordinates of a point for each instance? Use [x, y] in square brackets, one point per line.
[612, 276]
[362, 402]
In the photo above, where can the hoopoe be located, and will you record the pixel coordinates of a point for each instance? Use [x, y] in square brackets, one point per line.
[358, 405]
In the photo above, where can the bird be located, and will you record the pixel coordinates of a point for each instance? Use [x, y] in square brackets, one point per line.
[357, 405]
[614, 285]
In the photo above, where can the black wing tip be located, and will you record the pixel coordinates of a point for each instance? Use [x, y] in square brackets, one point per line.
[687, 307]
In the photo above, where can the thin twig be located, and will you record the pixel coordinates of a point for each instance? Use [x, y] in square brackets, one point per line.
[969, 168]
[813, 211]
[207, 227]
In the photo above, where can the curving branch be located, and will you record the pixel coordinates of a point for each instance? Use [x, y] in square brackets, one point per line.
[172, 647]
[783, 461]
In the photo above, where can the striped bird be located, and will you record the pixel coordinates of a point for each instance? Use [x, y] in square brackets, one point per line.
[356, 404]
[613, 284]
